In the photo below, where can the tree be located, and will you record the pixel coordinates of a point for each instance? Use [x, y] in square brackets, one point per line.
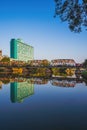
[45, 62]
[74, 12]
[5, 59]
[62, 70]
[85, 63]
[6, 81]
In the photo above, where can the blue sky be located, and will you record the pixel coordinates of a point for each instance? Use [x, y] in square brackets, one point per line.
[33, 22]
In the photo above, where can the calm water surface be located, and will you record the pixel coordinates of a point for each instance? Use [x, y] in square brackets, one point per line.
[53, 105]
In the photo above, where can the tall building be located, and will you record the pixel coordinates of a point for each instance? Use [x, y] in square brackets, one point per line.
[0, 54]
[20, 50]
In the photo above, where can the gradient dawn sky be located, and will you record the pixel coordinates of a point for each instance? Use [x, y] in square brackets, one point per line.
[33, 22]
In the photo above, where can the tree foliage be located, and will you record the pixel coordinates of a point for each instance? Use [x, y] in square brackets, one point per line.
[6, 81]
[5, 59]
[74, 12]
[85, 63]
[84, 74]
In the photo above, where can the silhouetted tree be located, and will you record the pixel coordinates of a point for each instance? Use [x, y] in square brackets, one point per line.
[74, 12]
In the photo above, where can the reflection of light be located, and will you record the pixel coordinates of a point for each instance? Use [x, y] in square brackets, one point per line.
[63, 83]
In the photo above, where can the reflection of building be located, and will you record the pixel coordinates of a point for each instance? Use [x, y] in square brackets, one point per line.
[21, 51]
[21, 90]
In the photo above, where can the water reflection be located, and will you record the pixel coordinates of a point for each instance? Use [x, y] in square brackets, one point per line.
[66, 82]
[63, 83]
[20, 90]
[23, 88]
[38, 81]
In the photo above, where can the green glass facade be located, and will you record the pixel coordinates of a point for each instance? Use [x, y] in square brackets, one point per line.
[20, 50]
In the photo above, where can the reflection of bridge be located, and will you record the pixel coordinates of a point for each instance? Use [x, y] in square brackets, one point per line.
[63, 83]
[20, 90]
[37, 81]
[33, 80]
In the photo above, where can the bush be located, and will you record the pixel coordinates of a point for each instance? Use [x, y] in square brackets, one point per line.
[84, 74]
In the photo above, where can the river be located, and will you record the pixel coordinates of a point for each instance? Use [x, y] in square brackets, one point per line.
[42, 104]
